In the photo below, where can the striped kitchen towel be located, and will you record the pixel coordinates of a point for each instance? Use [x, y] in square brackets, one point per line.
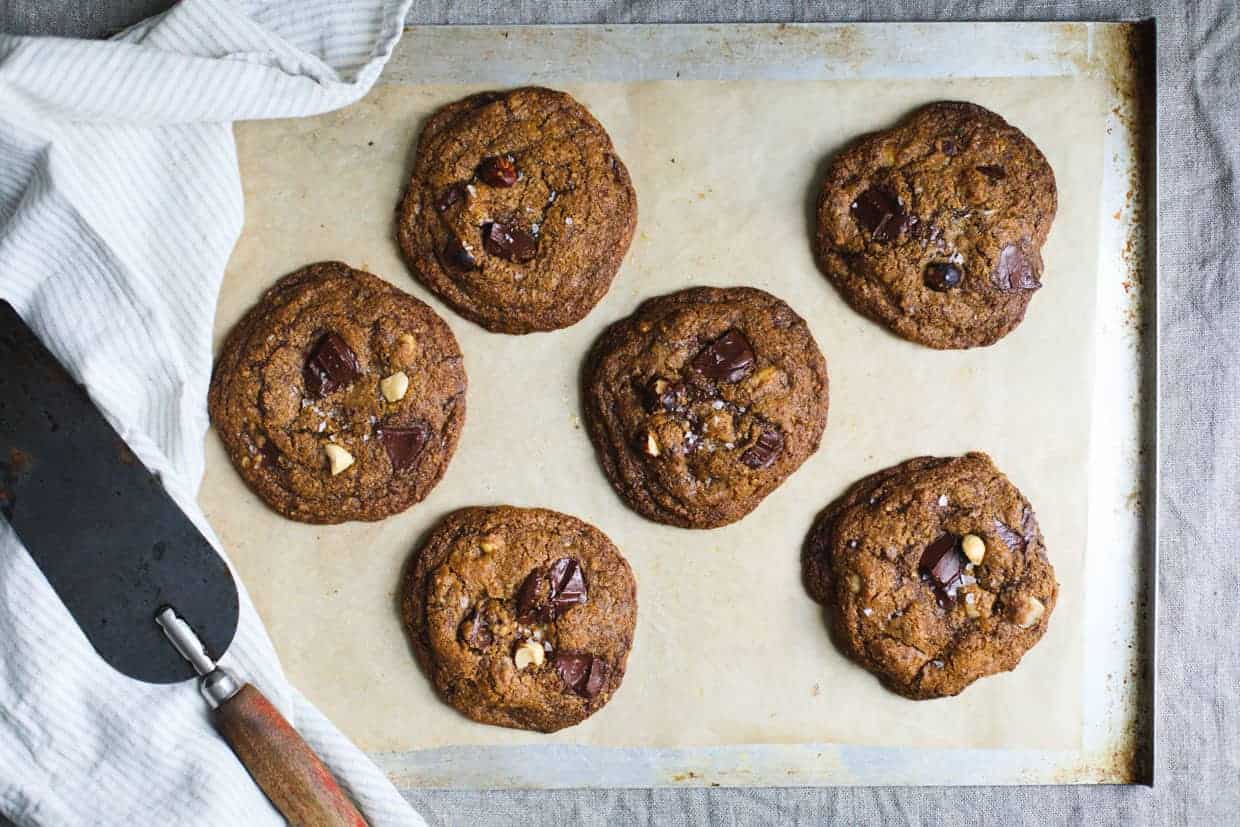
[120, 202]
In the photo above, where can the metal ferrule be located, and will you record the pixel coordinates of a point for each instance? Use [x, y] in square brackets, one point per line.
[218, 684]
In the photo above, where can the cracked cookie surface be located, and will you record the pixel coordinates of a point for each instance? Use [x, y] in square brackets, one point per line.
[934, 227]
[521, 617]
[519, 211]
[339, 397]
[703, 401]
[914, 600]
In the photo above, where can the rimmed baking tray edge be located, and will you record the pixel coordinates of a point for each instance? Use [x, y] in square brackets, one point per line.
[1119, 744]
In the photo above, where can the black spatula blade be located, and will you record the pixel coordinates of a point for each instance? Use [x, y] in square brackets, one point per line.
[109, 539]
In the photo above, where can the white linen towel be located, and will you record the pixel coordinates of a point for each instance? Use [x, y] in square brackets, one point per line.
[120, 201]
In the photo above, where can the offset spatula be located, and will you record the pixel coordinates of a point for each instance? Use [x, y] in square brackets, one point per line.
[144, 585]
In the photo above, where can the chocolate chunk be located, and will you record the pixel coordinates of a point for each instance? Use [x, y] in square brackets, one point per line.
[1014, 271]
[879, 211]
[574, 668]
[451, 195]
[332, 365]
[1028, 525]
[512, 243]
[942, 564]
[475, 631]
[661, 394]
[1010, 538]
[993, 171]
[568, 587]
[942, 276]
[548, 593]
[949, 147]
[404, 445]
[583, 673]
[270, 454]
[616, 175]
[456, 255]
[596, 679]
[534, 598]
[727, 359]
[498, 171]
[762, 453]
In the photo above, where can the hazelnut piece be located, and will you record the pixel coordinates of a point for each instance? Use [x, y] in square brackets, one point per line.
[406, 351]
[528, 652]
[395, 387]
[974, 548]
[339, 458]
[1029, 612]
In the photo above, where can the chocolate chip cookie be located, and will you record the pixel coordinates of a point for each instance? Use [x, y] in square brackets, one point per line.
[703, 401]
[521, 617]
[519, 211]
[339, 397]
[935, 227]
[934, 573]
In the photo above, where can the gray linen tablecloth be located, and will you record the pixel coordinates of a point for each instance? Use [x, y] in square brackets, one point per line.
[1198, 700]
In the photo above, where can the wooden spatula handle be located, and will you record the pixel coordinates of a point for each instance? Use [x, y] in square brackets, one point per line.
[282, 764]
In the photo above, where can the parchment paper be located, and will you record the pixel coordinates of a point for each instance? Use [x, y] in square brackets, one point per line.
[729, 649]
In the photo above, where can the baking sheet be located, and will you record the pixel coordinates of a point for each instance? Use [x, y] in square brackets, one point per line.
[729, 651]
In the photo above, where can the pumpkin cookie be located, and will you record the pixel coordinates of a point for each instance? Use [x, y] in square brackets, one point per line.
[702, 402]
[339, 397]
[934, 573]
[934, 227]
[519, 211]
[521, 617]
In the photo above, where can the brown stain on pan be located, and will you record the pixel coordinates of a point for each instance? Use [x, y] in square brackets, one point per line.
[1125, 59]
